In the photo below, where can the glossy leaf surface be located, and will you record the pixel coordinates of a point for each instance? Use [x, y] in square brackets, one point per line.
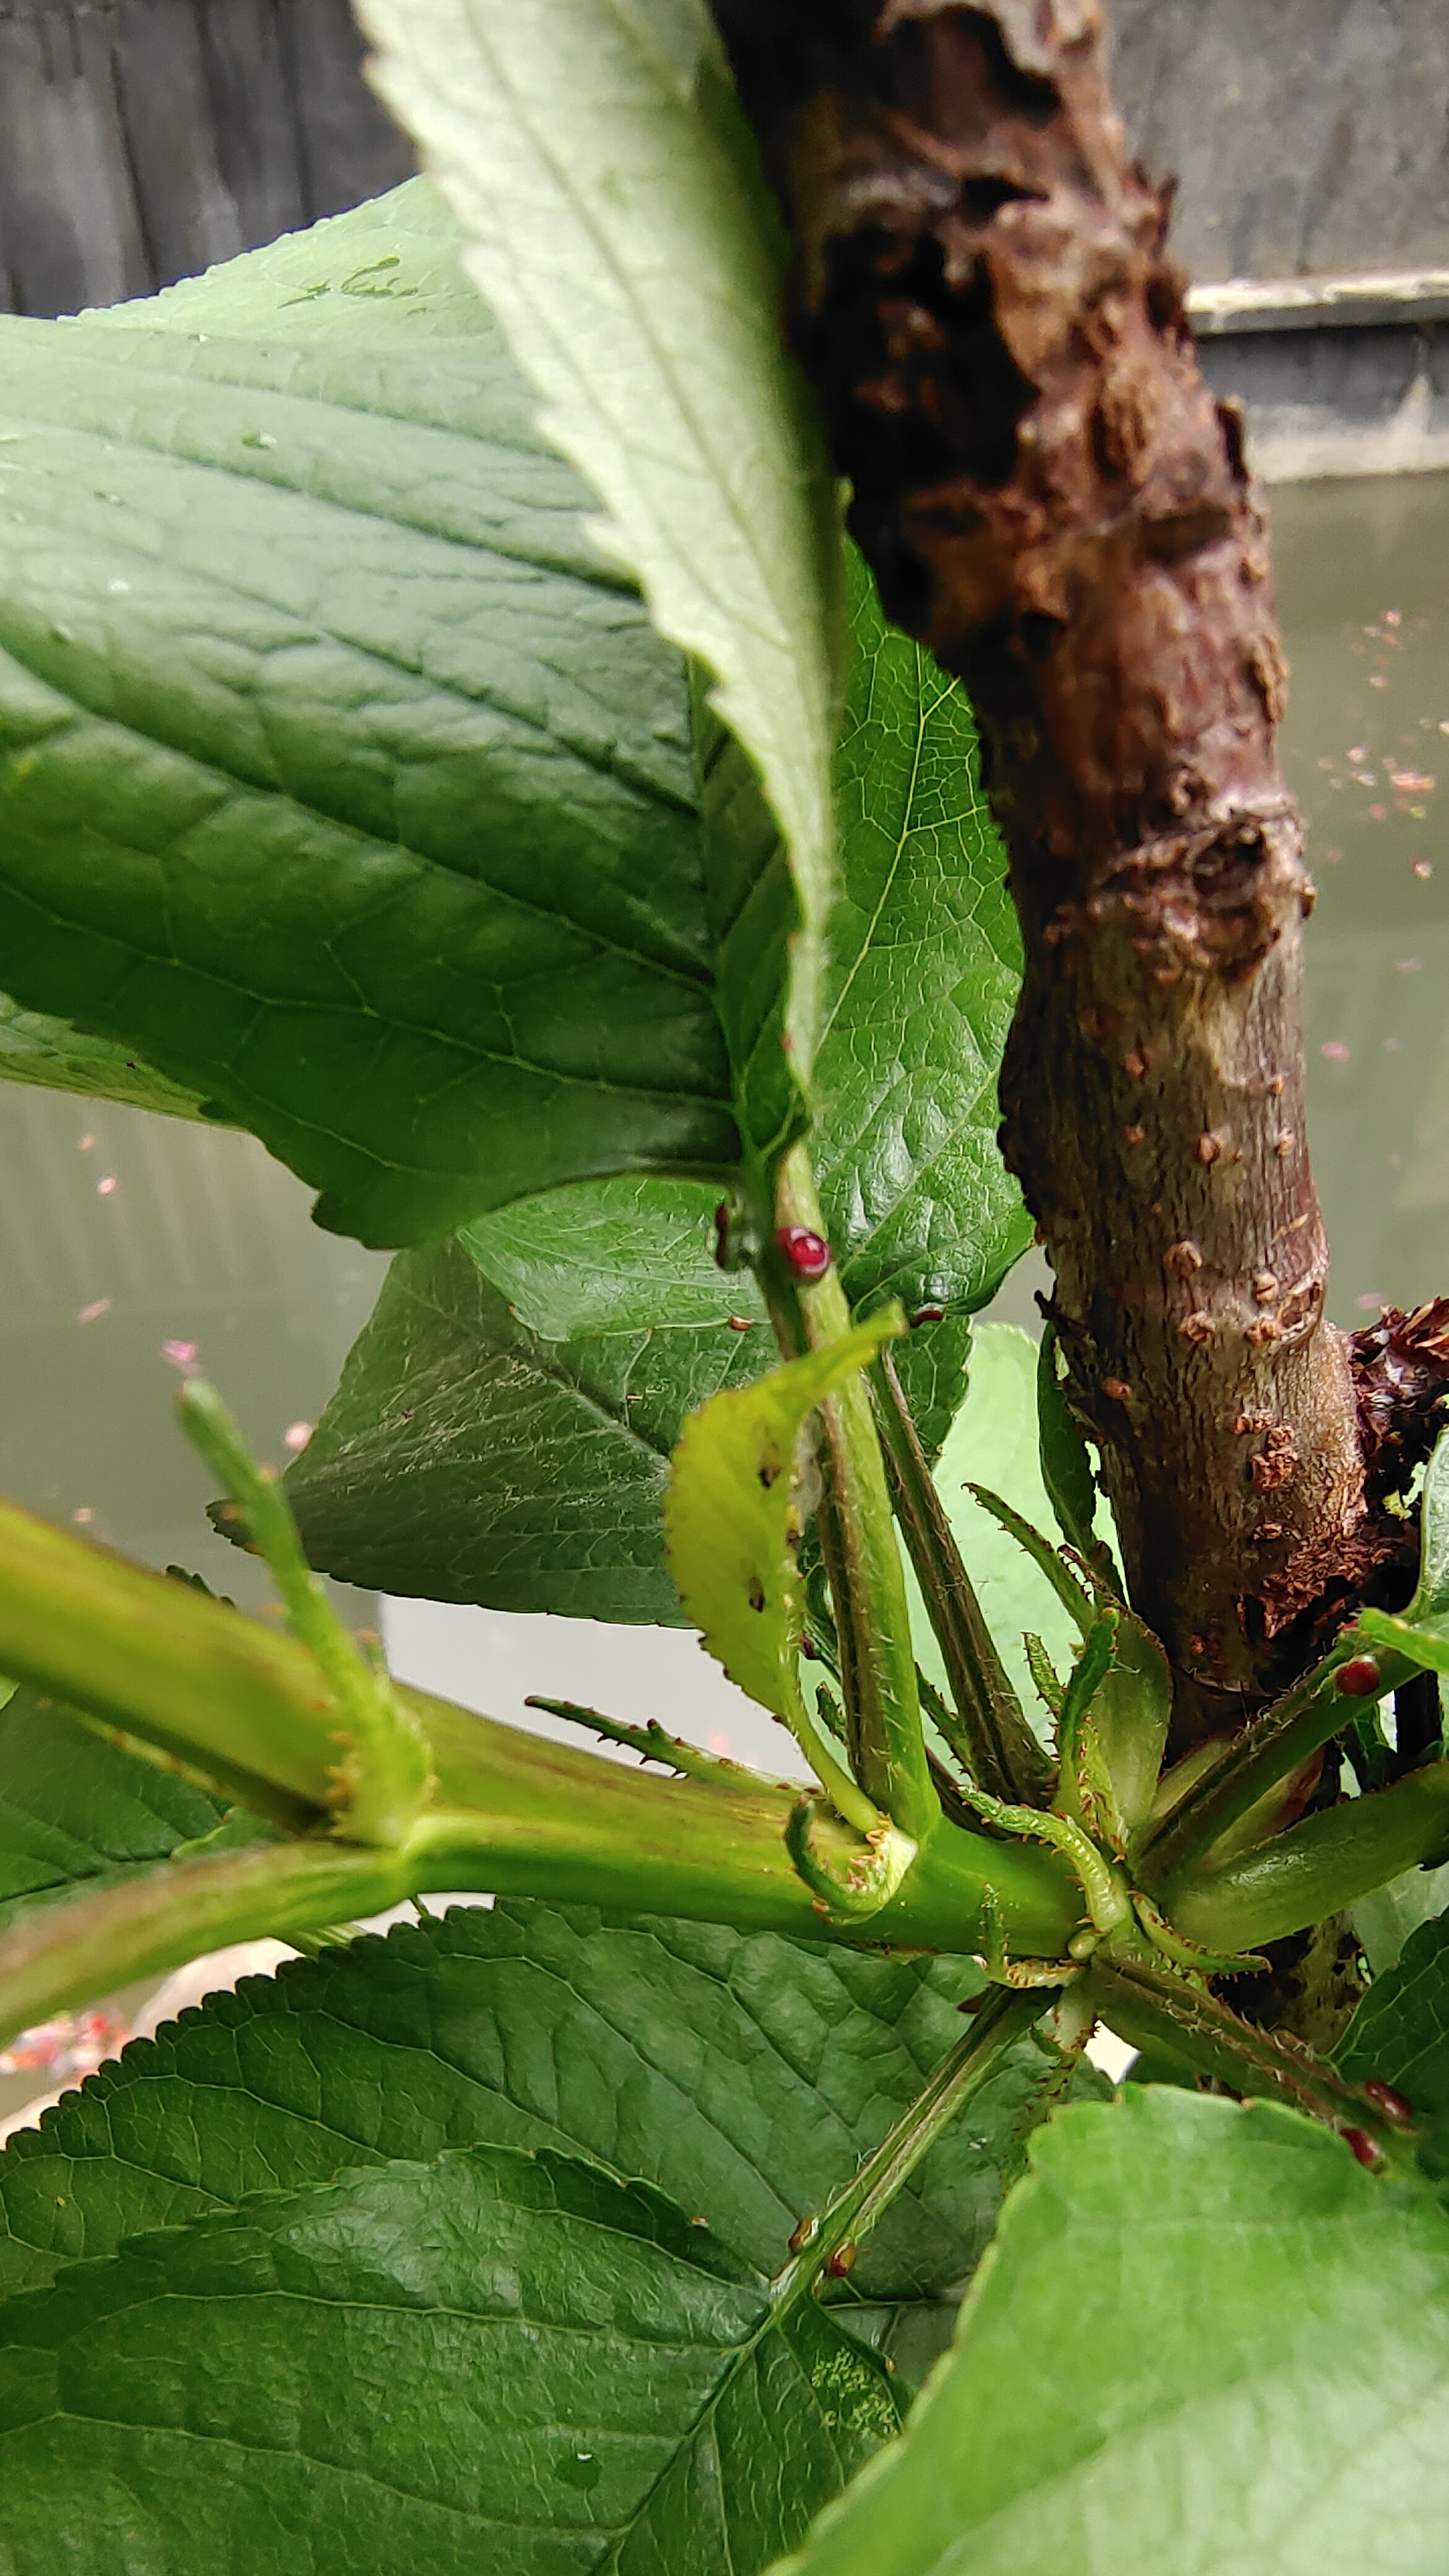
[496, 2358]
[1400, 2032]
[922, 983]
[74, 1808]
[744, 2075]
[1208, 2339]
[504, 1425]
[613, 214]
[341, 780]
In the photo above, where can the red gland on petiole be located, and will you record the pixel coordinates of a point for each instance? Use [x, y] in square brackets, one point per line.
[806, 1253]
[1391, 2104]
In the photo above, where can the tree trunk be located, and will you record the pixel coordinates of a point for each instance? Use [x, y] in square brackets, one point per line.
[1054, 502]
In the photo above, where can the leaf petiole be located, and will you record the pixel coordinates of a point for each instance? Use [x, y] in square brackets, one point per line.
[1002, 2020]
[384, 1775]
[991, 1736]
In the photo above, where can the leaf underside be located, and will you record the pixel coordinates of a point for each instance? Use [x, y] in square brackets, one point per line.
[76, 1811]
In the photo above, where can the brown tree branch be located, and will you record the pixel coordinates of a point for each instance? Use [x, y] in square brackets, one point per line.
[1053, 500]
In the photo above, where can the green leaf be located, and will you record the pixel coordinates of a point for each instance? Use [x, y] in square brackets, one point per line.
[49, 1052]
[467, 1457]
[1207, 2339]
[494, 2359]
[340, 781]
[1400, 2032]
[922, 984]
[732, 1523]
[931, 1365]
[614, 216]
[744, 2075]
[504, 1425]
[1066, 1469]
[925, 963]
[1385, 1920]
[1072, 1593]
[75, 1808]
[1131, 1715]
[1422, 1631]
[994, 1442]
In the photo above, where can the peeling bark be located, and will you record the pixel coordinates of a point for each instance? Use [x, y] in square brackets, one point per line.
[1054, 502]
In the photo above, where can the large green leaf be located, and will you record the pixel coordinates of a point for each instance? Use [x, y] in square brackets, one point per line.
[614, 216]
[425, 1491]
[494, 2360]
[75, 1808]
[466, 1457]
[340, 781]
[1206, 2340]
[744, 2075]
[504, 1425]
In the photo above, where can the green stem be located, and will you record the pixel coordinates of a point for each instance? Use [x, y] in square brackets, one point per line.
[1255, 1761]
[857, 1537]
[165, 1662]
[994, 2032]
[512, 1813]
[1153, 2010]
[65, 1953]
[382, 1769]
[1316, 1869]
[548, 1821]
[997, 1745]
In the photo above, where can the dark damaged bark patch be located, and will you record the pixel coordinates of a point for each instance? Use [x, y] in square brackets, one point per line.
[1055, 503]
[1401, 1382]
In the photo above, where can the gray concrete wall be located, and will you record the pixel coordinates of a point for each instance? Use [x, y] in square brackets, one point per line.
[1308, 136]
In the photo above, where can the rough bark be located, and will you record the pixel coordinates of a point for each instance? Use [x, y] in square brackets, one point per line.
[1054, 502]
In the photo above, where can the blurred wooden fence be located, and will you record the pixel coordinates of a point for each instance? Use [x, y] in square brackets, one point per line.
[142, 139]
